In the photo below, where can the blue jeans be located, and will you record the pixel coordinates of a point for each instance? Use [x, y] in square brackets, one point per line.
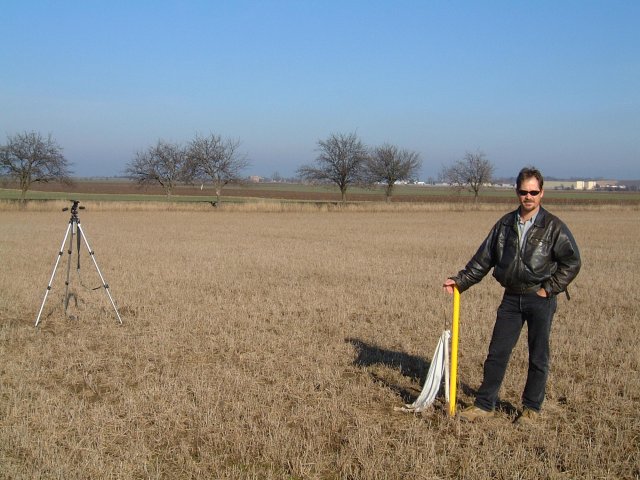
[513, 312]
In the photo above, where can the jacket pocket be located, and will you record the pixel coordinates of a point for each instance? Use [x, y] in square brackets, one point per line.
[538, 256]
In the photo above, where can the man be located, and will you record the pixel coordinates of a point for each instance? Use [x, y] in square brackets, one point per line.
[534, 257]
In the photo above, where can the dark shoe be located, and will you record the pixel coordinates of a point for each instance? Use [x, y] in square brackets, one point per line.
[473, 413]
[528, 417]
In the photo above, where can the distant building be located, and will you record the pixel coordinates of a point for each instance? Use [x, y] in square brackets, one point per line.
[255, 179]
[607, 184]
[570, 185]
[585, 185]
[559, 185]
[611, 185]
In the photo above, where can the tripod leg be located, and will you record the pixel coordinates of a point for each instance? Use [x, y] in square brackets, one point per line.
[69, 251]
[46, 293]
[93, 257]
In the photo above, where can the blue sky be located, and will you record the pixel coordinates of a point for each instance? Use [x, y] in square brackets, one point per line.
[555, 83]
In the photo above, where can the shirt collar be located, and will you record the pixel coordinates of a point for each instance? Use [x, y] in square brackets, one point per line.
[531, 220]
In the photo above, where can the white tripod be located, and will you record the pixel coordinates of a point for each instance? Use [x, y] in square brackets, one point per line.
[74, 228]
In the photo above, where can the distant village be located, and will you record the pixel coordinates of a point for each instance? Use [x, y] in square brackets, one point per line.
[594, 185]
[607, 185]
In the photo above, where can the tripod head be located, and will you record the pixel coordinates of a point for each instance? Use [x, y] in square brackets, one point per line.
[74, 208]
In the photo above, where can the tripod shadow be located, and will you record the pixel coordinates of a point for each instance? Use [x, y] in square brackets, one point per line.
[413, 367]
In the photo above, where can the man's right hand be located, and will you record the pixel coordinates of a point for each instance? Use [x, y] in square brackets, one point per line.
[448, 286]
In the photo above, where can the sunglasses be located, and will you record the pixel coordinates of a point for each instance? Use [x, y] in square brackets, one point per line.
[524, 193]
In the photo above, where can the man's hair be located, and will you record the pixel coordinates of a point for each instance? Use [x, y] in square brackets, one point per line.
[527, 173]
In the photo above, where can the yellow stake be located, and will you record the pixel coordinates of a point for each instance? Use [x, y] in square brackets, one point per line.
[454, 352]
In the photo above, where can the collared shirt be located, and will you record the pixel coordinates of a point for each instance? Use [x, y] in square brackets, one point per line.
[523, 227]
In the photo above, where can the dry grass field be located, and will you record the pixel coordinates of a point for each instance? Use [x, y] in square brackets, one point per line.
[275, 343]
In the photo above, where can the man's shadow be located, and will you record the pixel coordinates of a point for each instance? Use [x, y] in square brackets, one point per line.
[411, 366]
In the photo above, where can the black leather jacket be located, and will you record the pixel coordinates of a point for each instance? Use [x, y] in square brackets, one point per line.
[550, 259]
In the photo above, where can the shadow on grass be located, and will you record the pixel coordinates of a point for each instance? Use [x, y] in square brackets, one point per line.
[414, 367]
[501, 405]
[368, 355]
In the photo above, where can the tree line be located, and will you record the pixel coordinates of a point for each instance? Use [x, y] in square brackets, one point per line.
[343, 159]
[204, 159]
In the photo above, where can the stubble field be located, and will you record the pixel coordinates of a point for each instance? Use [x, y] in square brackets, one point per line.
[276, 344]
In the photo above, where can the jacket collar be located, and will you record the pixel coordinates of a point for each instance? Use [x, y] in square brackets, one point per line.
[540, 218]
[510, 218]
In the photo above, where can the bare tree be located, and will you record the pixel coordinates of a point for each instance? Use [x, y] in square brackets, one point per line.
[29, 158]
[217, 160]
[472, 172]
[388, 164]
[164, 163]
[341, 161]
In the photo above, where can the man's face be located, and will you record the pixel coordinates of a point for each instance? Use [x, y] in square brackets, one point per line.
[529, 202]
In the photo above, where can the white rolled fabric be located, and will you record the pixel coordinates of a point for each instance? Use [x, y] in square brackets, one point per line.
[439, 366]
